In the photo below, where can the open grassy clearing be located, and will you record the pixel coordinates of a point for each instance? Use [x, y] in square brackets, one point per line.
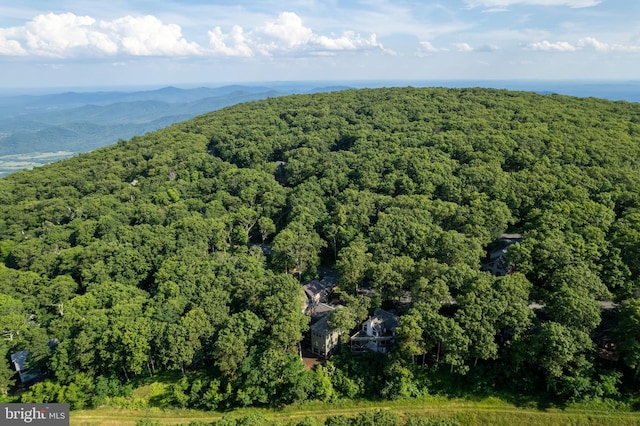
[491, 411]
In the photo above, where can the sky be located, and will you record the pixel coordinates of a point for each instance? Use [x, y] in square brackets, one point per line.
[79, 43]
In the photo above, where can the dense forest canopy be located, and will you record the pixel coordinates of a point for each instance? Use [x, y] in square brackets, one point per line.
[146, 256]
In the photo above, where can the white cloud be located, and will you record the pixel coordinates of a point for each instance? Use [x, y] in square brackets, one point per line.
[560, 46]
[587, 43]
[463, 47]
[234, 44]
[68, 35]
[348, 41]
[590, 42]
[286, 34]
[427, 47]
[599, 46]
[59, 34]
[495, 10]
[148, 36]
[10, 47]
[506, 3]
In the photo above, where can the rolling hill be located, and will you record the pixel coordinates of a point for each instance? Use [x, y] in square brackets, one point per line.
[147, 257]
[38, 128]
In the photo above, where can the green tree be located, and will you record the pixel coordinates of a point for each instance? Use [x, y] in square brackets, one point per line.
[562, 356]
[282, 307]
[297, 247]
[234, 340]
[574, 308]
[185, 339]
[410, 332]
[130, 343]
[6, 373]
[354, 311]
[353, 262]
[266, 227]
[13, 318]
[445, 337]
[628, 333]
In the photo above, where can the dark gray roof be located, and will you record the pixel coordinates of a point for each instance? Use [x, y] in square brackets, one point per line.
[313, 288]
[19, 360]
[321, 326]
[497, 257]
[384, 319]
[321, 309]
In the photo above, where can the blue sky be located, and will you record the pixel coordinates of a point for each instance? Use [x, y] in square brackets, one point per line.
[71, 43]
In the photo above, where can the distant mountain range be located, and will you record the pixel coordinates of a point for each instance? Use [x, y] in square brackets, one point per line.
[38, 129]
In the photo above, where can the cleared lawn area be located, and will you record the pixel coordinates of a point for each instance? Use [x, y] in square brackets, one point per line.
[491, 411]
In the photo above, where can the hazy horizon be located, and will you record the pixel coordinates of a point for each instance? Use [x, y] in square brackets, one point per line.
[511, 84]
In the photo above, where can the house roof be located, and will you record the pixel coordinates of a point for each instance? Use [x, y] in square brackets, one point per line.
[321, 309]
[317, 289]
[502, 245]
[321, 326]
[497, 256]
[313, 288]
[19, 360]
[384, 319]
[379, 327]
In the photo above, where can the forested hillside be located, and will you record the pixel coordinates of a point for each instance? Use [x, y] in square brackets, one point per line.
[144, 257]
[41, 129]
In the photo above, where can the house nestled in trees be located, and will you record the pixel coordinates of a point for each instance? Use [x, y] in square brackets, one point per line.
[317, 292]
[497, 262]
[19, 361]
[324, 340]
[377, 334]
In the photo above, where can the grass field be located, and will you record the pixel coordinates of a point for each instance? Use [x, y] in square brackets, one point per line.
[490, 411]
